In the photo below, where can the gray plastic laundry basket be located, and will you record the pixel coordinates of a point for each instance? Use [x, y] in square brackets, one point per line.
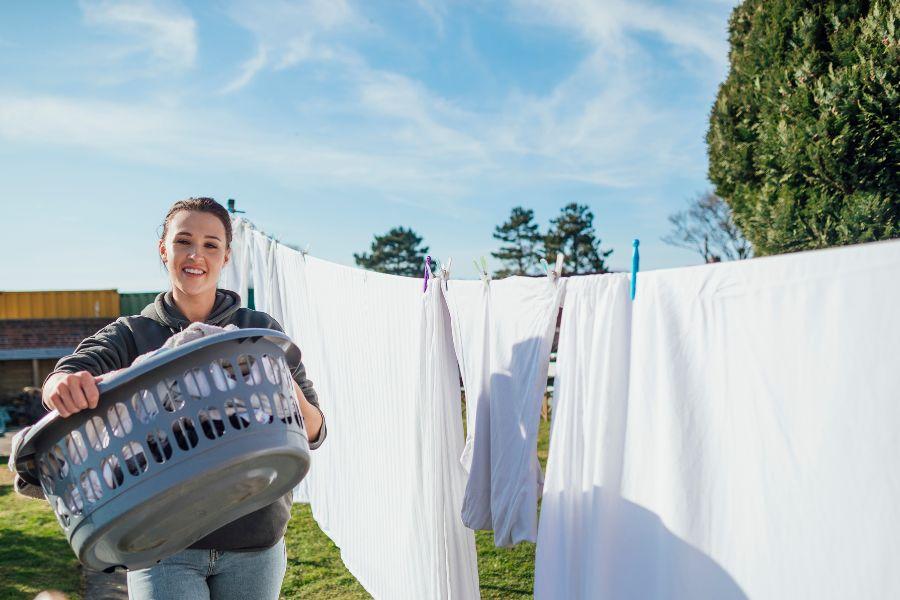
[178, 446]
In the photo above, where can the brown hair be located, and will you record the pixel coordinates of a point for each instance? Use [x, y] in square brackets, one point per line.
[207, 205]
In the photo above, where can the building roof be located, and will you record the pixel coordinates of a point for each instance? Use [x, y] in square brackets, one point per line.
[35, 338]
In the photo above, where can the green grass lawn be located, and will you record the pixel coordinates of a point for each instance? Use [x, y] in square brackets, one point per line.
[34, 555]
[315, 569]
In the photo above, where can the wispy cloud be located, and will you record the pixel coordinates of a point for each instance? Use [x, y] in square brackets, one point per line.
[248, 70]
[165, 31]
[290, 33]
[436, 11]
[174, 137]
[387, 133]
[610, 24]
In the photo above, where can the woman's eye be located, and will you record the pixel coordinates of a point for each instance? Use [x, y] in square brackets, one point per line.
[211, 246]
[182, 242]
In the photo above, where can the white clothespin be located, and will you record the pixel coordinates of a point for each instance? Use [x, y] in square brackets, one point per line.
[482, 270]
[555, 273]
[445, 269]
[305, 251]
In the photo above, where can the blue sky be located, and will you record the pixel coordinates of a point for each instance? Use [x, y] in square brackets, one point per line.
[332, 120]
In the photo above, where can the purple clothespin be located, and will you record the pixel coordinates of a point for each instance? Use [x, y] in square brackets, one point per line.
[427, 272]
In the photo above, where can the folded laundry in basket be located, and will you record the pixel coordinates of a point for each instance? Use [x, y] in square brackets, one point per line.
[223, 374]
[192, 332]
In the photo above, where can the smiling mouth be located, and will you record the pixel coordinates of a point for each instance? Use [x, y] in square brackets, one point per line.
[193, 272]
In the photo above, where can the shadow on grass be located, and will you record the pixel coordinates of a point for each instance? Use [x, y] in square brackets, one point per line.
[32, 562]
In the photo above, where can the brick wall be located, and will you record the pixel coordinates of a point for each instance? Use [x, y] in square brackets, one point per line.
[17, 334]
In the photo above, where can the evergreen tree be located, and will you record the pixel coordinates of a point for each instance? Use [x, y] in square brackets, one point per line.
[572, 233]
[706, 227]
[804, 137]
[520, 254]
[397, 252]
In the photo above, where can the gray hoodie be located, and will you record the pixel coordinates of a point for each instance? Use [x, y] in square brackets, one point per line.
[119, 343]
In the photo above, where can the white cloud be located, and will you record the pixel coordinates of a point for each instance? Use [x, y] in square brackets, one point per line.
[248, 70]
[609, 23]
[158, 134]
[167, 32]
[288, 33]
[604, 124]
[436, 11]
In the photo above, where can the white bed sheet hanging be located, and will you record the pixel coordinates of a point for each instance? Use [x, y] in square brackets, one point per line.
[235, 276]
[578, 552]
[760, 436]
[387, 485]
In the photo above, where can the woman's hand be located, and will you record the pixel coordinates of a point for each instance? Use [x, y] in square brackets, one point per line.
[69, 393]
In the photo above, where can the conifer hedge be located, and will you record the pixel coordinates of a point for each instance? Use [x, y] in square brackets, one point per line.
[804, 137]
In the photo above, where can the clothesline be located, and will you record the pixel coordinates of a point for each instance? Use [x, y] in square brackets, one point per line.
[730, 433]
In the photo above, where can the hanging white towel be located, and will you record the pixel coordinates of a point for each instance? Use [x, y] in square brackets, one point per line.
[387, 486]
[258, 246]
[469, 304]
[760, 438]
[578, 552]
[518, 321]
[235, 275]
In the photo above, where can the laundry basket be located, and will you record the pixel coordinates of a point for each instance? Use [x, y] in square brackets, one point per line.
[178, 446]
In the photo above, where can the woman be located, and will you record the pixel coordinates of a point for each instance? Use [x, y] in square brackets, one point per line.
[245, 559]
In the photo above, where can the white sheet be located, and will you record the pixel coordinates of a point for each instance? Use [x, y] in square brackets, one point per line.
[504, 341]
[579, 554]
[760, 439]
[386, 485]
[235, 275]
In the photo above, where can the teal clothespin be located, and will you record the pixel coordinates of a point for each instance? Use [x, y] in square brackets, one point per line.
[635, 265]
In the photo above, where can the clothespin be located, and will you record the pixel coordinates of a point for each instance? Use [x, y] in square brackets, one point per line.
[482, 270]
[445, 269]
[635, 265]
[555, 273]
[305, 251]
[427, 273]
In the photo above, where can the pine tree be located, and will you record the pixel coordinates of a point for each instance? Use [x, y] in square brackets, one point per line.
[397, 252]
[572, 233]
[520, 233]
[804, 136]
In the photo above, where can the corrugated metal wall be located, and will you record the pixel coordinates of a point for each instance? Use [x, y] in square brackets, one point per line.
[134, 303]
[74, 304]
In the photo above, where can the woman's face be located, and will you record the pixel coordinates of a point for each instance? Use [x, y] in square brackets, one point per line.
[194, 251]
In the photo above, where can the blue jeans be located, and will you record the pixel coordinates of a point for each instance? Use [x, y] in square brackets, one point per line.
[212, 575]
